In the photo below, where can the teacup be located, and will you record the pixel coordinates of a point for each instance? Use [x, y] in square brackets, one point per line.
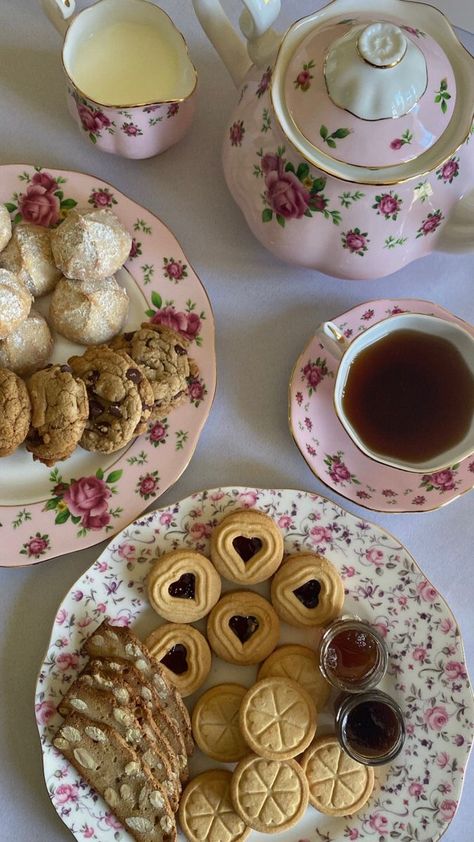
[404, 391]
[131, 83]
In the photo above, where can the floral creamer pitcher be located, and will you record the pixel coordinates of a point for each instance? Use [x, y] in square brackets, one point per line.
[131, 84]
[350, 149]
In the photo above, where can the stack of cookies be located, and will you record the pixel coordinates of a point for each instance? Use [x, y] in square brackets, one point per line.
[267, 730]
[128, 733]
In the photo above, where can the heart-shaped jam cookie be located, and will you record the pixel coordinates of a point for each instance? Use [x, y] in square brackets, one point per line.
[307, 591]
[243, 628]
[247, 547]
[183, 586]
[185, 654]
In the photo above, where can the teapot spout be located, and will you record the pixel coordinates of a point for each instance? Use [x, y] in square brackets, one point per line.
[457, 234]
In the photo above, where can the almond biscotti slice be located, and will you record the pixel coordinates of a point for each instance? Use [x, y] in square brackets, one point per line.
[118, 642]
[105, 672]
[101, 705]
[111, 767]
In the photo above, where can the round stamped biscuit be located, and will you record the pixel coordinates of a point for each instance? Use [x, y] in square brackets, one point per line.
[278, 718]
[206, 811]
[183, 586]
[338, 785]
[247, 547]
[243, 628]
[269, 795]
[184, 653]
[307, 591]
[302, 665]
[215, 722]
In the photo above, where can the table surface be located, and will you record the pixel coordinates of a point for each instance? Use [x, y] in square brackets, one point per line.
[265, 313]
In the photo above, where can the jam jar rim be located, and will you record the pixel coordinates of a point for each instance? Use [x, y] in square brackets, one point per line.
[372, 678]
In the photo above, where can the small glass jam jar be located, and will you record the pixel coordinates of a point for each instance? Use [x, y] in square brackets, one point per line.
[352, 655]
[370, 727]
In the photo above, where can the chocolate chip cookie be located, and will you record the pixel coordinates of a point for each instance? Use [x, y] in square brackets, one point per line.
[117, 398]
[59, 411]
[163, 356]
[15, 412]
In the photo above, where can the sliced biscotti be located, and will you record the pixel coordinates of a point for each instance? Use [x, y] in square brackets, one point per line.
[120, 643]
[105, 672]
[111, 767]
[102, 706]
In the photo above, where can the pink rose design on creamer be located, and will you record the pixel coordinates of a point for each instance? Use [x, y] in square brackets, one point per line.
[88, 498]
[92, 121]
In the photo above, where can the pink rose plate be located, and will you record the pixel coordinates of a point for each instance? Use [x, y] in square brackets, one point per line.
[47, 512]
[416, 797]
[327, 447]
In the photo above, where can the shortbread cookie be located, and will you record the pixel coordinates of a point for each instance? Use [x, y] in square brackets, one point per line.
[29, 347]
[162, 354]
[300, 664]
[307, 591]
[15, 302]
[89, 312]
[277, 718]
[215, 723]
[117, 642]
[243, 628]
[247, 547]
[269, 795]
[90, 246]
[206, 811]
[116, 408]
[29, 256]
[5, 227]
[184, 653]
[338, 785]
[108, 674]
[59, 411]
[15, 412]
[116, 707]
[183, 586]
[114, 770]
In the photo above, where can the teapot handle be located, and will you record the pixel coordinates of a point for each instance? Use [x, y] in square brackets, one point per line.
[59, 12]
[255, 23]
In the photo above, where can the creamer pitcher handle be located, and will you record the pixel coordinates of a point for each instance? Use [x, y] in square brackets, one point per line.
[59, 12]
[255, 22]
[337, 341]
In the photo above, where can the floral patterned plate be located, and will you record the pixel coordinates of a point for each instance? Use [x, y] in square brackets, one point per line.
[44, 512]
[416, 797]
[327, 447]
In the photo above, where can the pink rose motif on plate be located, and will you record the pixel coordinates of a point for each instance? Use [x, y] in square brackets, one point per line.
[248, 499]
[36, 546]
[351, 833]
[158, 433]
[355, 241]
[135, 250]
[236, 133]
[416, 789]
[196, 389]
[87, 498]
[66, 793]
[173, 110]
[368, 315]
[303, 80]
[420, 654]
[285, 522]
[441, 480]
[66, 661]
[148, 485]
[436, 717]
[442, 759]
[174, 270]
[40, 204]
[313, 373]
[131, 129]
[388, 205]
[427, 592]
[338, 470]
[44, 711]
[375, 556]
[264, 83]
[112, 822]
[166, 518]
[378, 822]
[320, 534]
[430, 224]
[61, 616]
[447, 809]
[454, 670]
[448, 171]
[198, 531]
[102, 197]
[126, 550]
[188, 324]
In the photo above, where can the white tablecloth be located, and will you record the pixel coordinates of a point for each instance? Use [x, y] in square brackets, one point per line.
[265, 313]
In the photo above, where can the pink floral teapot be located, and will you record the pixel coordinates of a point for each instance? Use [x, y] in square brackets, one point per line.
[349, 149]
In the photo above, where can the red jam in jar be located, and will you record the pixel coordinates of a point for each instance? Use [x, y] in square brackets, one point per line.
[353, 656]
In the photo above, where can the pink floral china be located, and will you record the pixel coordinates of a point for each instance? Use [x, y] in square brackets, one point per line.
[349, 148]
[45, 512]
[131, 85]
[327, 447]
[416, 797]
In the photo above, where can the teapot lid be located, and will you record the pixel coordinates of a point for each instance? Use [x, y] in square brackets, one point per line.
[370, 99]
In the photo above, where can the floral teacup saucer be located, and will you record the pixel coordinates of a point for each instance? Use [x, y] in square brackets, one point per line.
[330, 452]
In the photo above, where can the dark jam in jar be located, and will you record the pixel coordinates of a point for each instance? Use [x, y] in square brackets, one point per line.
[353, 656]
[371, 727]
